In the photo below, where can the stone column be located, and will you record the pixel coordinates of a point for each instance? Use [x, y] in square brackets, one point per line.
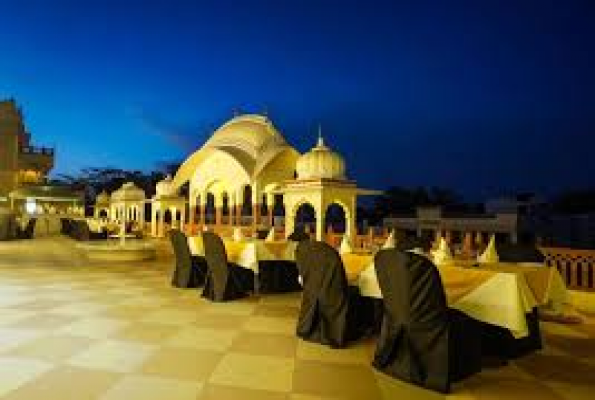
[319, 224]
[153, 220]
[161, 224]
[270, 208]
[182, 217]
[239, 214]
[218, 214]
[203, 209]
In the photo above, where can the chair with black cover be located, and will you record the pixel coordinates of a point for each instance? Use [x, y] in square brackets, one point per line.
[298, 235]
[190, 270]
[519, 253]
[422, 341]
[330, 312]
[225, 281]
[278, 276]
[27, 233]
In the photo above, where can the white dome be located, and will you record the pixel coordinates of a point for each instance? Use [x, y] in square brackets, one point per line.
[251, 133]
[321, 163]
[165, 188]
[128, 192]
[102, 198]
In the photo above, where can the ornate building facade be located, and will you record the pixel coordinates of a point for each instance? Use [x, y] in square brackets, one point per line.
[20, 162]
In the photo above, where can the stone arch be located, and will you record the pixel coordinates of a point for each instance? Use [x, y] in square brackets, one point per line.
[336, 216]
[311, 213]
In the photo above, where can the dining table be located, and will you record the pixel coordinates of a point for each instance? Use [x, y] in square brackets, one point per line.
[249, 252]
[501, 294]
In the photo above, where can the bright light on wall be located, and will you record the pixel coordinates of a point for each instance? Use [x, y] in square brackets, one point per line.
[30, 206]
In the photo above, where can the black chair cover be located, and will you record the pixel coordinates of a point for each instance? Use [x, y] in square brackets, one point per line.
[278, 276]
[225, 281]
[190, 271]
[422, 341]
[330, 312]
[499, 342]
[517, 253]
[298, 235]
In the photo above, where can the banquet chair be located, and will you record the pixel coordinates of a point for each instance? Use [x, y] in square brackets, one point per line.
[224, 281]
[519, 253]
[298, 235]
[190, 271]
[278, 276]
[330, 312]
[422, 340]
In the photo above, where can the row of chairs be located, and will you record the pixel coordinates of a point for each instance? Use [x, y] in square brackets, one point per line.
[222, 280]
[421, 339]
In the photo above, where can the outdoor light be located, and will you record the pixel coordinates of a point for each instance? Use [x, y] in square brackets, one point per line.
[30, 206]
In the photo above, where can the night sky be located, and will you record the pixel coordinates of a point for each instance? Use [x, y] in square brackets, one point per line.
[484, 97]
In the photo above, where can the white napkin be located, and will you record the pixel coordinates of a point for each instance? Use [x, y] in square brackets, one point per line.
[490, 255]
[345, 245]
[443, 254]
[270, 236]
[237, 234]
[390, 241]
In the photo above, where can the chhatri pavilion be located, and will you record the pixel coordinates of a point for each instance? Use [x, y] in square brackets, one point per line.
[247, 170]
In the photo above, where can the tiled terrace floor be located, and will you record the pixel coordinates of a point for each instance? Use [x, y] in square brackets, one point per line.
[70, 329]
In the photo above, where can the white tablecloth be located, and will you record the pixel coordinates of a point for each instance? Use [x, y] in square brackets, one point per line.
[248, 253]
[503, 299]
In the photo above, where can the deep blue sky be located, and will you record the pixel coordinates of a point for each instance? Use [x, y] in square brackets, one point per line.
[485, 97]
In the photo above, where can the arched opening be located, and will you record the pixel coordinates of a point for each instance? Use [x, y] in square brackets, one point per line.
[102, 213]
[225, 209]
[305, 218]
[167, 216]
[247, 203]
[210, 209]
[335, 218]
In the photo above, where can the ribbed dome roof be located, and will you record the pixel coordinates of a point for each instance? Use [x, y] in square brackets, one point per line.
[102, 198]
[321, 163]
[251, 133]
[165, 188]
[128, 192]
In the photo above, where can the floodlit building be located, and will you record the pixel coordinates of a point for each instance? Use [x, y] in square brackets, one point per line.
[21, 163]
[247, 170]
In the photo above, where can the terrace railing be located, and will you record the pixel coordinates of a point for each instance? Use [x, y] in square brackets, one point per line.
[577, 267]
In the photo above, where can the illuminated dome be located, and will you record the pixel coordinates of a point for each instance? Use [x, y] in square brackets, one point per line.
[251, 133]
[242, 150]
[128, 192]
[102, 198]
[321, 163]
[165, 188]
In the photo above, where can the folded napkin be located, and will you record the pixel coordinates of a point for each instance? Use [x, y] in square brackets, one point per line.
[390, 241]
[443, 254]
[237, 234]
[270, 236]
[490, 255]
[345, 245]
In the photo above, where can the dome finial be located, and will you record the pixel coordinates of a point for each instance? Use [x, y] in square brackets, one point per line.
[320, 142]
